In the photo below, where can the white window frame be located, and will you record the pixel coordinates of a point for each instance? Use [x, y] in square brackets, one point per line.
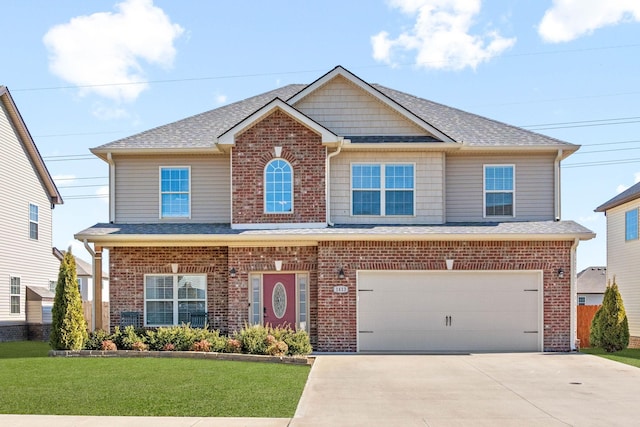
[485, 191]
[13, 295]
[174, 300]
[256, 299]
[160, 193]
[382, 188]
[53, 284]
[264, 176]
[36, 221]
[582, 300]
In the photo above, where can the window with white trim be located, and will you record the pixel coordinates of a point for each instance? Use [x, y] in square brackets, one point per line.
[52, 285]
[631, 225]
[33, 221]
[170, 299]
[14, 295]
[582, 300]
[278, 191]
[499, 190]
[175, 192]
[382, 189]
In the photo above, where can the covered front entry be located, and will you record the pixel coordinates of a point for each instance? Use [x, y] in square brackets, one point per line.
[449, 311]
[279, 299]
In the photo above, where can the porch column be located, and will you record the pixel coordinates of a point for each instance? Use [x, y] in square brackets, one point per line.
[97, 289]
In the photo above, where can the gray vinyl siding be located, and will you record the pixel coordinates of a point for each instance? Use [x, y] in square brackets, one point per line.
[31, 260]
[622, 263]
[534, 187]
[137, 192]
[428, 192]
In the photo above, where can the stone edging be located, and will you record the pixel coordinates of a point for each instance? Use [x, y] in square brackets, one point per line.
[295, 360]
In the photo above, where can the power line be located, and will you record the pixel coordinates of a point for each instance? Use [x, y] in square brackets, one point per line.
[75, 178]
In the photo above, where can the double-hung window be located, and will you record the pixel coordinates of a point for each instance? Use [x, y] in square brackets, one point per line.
[382, 189]
[278, 194]
[33, 221]
[175, 192]
[170, 299]
[14, 295]
[631, 225]
[499, 190]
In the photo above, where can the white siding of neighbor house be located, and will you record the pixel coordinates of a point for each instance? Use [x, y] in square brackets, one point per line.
[137, 192]
[622, 263]
[346, 109]
[429, 187]
[31, 260]
[534, 187]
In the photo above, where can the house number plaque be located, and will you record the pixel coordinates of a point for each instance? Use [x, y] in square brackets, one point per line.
[340, 289]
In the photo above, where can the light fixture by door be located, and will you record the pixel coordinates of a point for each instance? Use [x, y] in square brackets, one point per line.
[341, 273]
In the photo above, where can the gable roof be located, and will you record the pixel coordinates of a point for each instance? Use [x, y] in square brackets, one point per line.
[628, 195]
[592, 280]
[30, 146]
[200, 132]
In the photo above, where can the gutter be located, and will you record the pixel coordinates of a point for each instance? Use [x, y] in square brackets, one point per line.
[556, 199]
[327, 179]
[573, 337]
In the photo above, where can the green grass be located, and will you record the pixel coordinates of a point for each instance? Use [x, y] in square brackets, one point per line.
[630, 356]
[32, 383]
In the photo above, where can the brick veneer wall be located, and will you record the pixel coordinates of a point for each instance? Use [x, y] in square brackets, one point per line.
[336, 324]
[248, 260]
[128, 265]
[301, 147]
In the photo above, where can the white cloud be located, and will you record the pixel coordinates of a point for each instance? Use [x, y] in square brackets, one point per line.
[106, 48]
[441, 36]
[220, 99]
[622, 187]
[103, 192]
[105, 112]
[569, 19]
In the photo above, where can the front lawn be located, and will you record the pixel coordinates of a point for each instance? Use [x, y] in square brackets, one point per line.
[630, 356]
[32, 383]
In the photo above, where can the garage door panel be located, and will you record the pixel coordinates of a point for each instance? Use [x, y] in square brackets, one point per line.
[441, 311]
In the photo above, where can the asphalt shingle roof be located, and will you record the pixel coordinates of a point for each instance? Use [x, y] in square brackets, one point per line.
[628, 195]
[592, 280]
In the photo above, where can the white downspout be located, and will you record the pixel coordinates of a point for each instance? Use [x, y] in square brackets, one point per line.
[556, 198]
[327, 187]
[93, 277]
[574, 310]
[112, 189]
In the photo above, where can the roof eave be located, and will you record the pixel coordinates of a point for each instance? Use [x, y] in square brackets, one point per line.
[102, 153]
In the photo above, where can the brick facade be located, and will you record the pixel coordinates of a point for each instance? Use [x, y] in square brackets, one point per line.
[302, 148]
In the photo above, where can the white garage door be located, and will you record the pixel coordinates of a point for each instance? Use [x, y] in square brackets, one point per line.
[449, 311]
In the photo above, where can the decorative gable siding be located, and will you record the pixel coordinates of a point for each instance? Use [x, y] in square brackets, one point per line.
[31, 260]
[302, 148]
[622, 263]
[346, 109]
[428, 192]
[534, 182]
[137, 192]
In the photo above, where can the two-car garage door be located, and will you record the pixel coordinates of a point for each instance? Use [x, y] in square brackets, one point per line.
[449, 311]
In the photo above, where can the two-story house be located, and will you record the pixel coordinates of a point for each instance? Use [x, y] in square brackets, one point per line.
[373, 219]
[28, 198]
[623, 250]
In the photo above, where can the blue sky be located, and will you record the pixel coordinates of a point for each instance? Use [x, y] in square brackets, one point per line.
[87, 73]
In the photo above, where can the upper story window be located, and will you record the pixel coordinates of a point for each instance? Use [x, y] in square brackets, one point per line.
[33, 221]
[14, 295]
[499, 189]
[631, 225]
[278, 192]
[175, 192]
[382, 189]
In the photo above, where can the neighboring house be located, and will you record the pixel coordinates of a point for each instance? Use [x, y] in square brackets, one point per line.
[84, 273]
[592, 282]
[28, 198]
[623, 252]
[373, 219]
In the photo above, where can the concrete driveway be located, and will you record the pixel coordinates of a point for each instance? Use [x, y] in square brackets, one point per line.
[525, 389]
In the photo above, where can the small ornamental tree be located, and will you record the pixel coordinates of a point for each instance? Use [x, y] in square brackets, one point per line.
[610, 328]
[68, 328]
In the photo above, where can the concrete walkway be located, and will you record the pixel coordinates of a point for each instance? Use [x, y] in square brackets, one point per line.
[495, 390]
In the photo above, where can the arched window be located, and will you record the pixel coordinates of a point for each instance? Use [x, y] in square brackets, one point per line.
[278, 187]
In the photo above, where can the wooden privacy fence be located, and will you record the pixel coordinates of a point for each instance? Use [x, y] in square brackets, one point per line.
[585, 316]
[86, 309]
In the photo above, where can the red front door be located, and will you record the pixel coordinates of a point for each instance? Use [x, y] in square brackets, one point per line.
[279, 299]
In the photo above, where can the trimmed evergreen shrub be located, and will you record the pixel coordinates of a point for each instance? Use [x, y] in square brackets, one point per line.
[253, 339]
[610, 328]
[68, 327]
[95, 339]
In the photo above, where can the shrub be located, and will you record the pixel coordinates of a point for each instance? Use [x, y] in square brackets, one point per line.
[182, 337]
[108, 345]
[168, 347]
[298, 342]
[139, 346]
[68, 327]
[233, 346]
[278, 348]
[610, 328]
[95, 339]
[127, 338]
[202, 345]
[254, 339]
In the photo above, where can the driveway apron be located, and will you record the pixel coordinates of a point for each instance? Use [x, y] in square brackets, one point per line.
[520, 389]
